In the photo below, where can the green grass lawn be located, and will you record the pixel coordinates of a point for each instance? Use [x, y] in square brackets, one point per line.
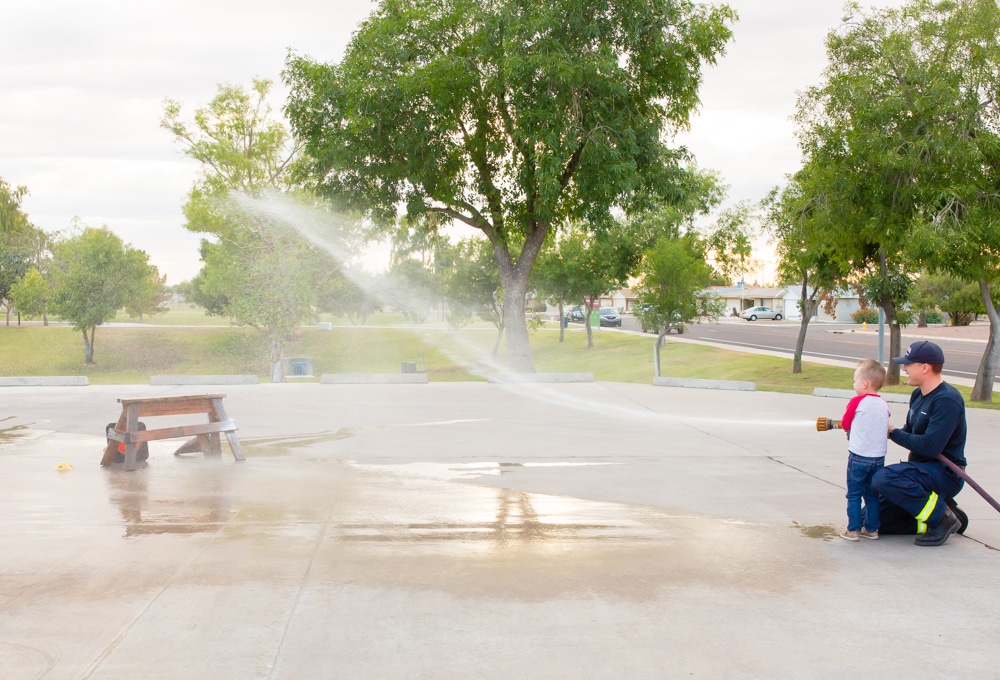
[180, 315]
[125, 355]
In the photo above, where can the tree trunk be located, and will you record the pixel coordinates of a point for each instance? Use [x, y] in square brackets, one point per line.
[277, 365]
[895, 350]
[45, 319]
[982, 390]
[88, 346]
[800, 343]
[656, 351]
[562, 323]
[514, 281]
[895, 335]
[895, 341]
[588, 306]
[514, 324]
[922, 320]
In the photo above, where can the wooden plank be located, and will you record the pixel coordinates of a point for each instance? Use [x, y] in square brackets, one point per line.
[172, 432]
[131, 425]
[175, 409]
[112, 447]
[169, 406]
[154, 400]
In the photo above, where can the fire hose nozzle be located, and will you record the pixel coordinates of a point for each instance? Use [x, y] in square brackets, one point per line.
[824, 424]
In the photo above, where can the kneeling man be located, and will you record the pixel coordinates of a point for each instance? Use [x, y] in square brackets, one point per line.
[918, 495]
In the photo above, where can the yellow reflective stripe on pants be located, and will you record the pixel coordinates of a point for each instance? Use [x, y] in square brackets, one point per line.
[929, 508]
[921, 528]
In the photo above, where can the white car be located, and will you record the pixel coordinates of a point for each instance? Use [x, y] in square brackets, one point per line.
[755, 313]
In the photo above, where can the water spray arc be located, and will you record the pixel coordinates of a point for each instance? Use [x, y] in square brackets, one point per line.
[324, 230]
[825, 424]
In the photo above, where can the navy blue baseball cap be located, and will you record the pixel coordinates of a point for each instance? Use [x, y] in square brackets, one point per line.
[921, 352]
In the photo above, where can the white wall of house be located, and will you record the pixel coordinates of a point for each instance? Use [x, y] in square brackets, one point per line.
[791, 307]
[846, 305]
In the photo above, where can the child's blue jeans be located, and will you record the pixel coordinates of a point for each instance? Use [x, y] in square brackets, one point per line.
[860, 471]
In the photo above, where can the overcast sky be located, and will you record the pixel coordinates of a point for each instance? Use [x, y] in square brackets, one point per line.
[82, 84]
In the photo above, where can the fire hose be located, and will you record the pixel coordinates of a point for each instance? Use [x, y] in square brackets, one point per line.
[824, 424]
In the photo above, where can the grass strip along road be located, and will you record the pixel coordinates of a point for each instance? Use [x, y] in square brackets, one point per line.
[130, 355]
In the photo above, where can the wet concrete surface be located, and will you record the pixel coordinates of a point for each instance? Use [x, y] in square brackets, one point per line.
[475, 530]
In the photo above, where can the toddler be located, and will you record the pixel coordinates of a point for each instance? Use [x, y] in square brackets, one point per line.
[866, 422]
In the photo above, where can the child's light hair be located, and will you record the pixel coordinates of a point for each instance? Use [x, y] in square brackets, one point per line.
[873, 372]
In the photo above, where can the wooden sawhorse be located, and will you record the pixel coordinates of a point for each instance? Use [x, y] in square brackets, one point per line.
[206, 435]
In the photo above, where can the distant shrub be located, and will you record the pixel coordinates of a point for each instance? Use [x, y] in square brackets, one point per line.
[865, 315]
[933, 317]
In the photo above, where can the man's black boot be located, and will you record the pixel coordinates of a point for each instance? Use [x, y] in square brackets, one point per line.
[939, 533]
[960, 514]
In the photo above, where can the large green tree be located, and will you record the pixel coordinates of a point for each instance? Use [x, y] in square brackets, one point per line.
[955, 90]
[903, 131]
[859, 155]
[508, 117]
[94, 274]
[257, 269]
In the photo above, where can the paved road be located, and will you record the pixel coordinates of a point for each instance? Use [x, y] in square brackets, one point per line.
[846, 342]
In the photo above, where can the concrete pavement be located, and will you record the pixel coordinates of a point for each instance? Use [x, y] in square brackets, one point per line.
[457, 530]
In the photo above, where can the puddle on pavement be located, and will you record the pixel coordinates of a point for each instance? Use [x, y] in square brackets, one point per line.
[12, 433]
[151, 504]
[450, 471]
[827, 532]
[419, 525]
[286, 446]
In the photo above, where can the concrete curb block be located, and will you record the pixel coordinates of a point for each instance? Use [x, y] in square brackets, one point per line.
[849, 394]
[737, 385]
[46, 381]
[542, 378]
[203, 380]
[373, 378]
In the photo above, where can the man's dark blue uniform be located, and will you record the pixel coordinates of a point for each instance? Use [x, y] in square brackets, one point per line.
[916, 494]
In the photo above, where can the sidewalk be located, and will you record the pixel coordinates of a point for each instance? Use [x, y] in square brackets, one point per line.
[460, 530]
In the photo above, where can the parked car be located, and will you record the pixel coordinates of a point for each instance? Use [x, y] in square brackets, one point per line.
[755, 313]
[610, 317]
[575, 314]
